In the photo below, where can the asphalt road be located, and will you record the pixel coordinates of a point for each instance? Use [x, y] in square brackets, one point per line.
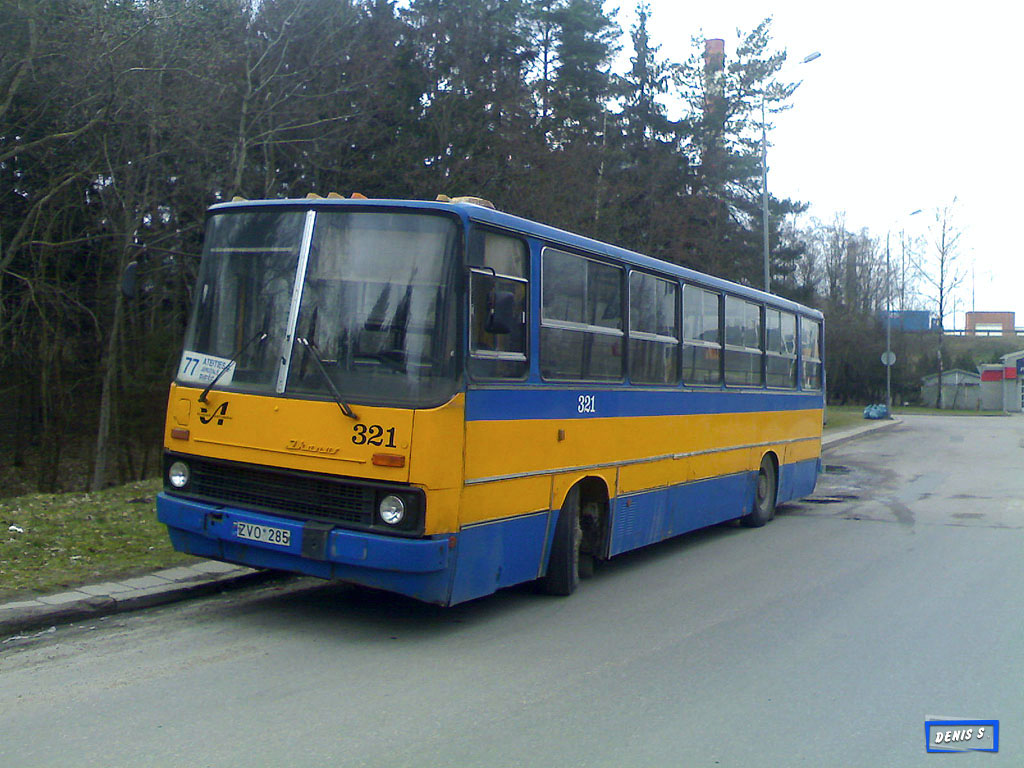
[827, 638]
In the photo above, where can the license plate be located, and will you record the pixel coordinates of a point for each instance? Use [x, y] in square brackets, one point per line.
[280, 536]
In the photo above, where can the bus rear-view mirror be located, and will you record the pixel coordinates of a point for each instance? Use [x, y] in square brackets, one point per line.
[502, 317]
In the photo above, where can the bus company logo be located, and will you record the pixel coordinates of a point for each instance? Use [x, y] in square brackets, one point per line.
[961, 735]
[304, 447]
[220, 413]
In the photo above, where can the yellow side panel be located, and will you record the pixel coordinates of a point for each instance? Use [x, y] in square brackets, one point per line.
[507, 498]
[442, 511]
[438, 436]
[635, 454]
[654, 474]
[803, 451]
[436, 462]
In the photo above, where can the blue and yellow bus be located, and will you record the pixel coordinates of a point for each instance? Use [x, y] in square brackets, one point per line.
[441, 400]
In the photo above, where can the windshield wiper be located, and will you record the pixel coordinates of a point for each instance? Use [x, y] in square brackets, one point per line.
[258, 337]
[345, 409]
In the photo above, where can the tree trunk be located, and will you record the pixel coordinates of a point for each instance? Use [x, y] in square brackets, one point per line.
[110, 365]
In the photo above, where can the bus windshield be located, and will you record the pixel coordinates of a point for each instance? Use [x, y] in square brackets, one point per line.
[372, 307]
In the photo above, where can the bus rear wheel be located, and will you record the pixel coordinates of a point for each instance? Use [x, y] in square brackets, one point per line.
[765, 494]
[563, 574]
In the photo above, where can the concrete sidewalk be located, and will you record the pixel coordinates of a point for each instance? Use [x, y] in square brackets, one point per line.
[94, 601]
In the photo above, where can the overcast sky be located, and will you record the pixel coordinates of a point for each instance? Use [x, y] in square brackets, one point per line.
[909, 106]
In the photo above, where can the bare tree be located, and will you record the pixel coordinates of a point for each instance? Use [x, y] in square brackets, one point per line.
[941, 272]
[843, 273]
[905, 289]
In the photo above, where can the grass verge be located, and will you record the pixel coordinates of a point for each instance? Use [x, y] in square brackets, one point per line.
[847, 416]
[52, 541]
[843, 417]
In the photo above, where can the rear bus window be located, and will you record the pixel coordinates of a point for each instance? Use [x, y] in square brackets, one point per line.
[810, 346]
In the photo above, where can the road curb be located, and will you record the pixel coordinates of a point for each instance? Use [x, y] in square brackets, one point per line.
[29, 615]
[831, 441]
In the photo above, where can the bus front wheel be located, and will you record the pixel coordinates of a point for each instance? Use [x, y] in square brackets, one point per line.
[765, 494]
[564, 564]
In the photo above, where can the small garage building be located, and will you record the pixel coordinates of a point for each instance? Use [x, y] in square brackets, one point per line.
[961, 390]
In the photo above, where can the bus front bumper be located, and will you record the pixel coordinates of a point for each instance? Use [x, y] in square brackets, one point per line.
[419, 568]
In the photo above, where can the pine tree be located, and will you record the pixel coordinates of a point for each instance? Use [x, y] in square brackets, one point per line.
[476, 107]
[726, 158]
[649, 178]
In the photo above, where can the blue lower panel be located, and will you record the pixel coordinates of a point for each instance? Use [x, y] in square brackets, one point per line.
[798, 480]
[419, 568]
[644, 518]
[500, 554]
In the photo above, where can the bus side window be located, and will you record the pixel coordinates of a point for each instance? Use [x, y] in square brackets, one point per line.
[702, 339]
[653, 330]
[498, 295]
[742, 342]
[581, 329]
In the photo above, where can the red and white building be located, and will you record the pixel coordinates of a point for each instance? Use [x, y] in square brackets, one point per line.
[1001, 384]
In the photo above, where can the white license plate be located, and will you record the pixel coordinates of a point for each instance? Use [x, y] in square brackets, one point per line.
[280, 536]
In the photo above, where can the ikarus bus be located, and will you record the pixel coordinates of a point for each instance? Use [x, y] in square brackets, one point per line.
[441, 400]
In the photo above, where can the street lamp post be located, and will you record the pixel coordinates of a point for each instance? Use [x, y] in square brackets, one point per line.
[887, 359]
[764, 197]
[764, 182]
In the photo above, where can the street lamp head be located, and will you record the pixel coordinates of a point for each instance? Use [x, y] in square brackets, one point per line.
[811, 57]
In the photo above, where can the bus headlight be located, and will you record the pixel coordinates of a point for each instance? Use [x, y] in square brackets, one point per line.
[391, 510]
[177, 474]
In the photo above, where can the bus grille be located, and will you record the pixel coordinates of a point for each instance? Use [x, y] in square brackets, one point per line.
[287, 493]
